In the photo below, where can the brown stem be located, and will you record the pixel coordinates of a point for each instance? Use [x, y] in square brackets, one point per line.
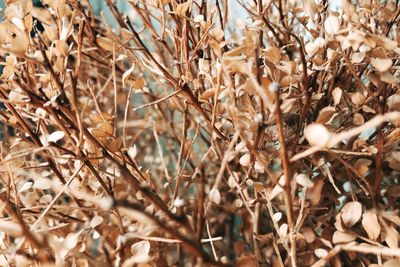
[287, 173]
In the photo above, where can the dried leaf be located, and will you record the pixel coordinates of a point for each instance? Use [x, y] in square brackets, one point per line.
[358, 119]
[304, 180]
[392, 237]
[331, 25]
[71, 240]
[325, 115]
[207, 94]
[182, 8]
[394, 163]
[15, 96]
[55, 136]
[278, 188]
[95, 221]
[105, 43]
[387, 77]
[357, 57]
[309, 7]
[104, 130]
[241, 147]
[289, 67]
[381, 64]
[140, 252]
[259, 167]
[342, 237]
[115, 145]
[371, 225]
[132, 152]
[126, 34]
[273, 54]
[311, 48]
[337, 95]
[283, 229]
[394, 189]
[393, 102]
[385, 42]
[25, 186]
[19, 43]
[96, 118]
[61, 48]
[314, 193]
[357, 98]
[277, 216]
[215, 195]
[137, 84]
[245, 160]
[368, 109]
[309, 234]
[351, 213]
[288, 104]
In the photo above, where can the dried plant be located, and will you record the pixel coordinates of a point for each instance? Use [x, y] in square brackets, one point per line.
[188, 137]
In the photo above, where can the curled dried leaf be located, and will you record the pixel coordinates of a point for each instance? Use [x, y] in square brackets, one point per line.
[140, 252]
[325, 115]
[304, 180]
[351, 213]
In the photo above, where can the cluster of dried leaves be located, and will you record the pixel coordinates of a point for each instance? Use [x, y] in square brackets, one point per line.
[189, 137]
